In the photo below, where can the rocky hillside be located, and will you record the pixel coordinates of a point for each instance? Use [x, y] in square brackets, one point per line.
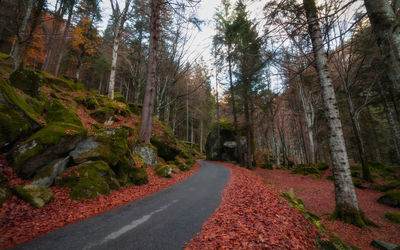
[54, 132]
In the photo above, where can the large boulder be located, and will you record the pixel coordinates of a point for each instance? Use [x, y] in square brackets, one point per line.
[147, 152]
[12, 126]
[130, 172]
[4, 189]
[27, 81]
[56, 112]
[47, 175]
[36, 195]
[226, 149]
[109, 145]
[164, 171]
[48, 144]
[391, 198]
[88, 180]
[165, 150]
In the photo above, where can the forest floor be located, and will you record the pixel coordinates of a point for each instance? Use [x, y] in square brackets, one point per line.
[252, 215]
[319, 197]
[20, 222]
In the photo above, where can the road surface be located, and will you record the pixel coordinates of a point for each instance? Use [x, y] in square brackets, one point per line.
[165, 220]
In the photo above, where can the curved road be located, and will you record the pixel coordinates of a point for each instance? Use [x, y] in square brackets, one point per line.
[164, 220]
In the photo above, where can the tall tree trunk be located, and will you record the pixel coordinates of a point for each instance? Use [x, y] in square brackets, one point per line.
[391, 121]
[347, 207]
[201, 135]
[249, 155]
[151, 84]
[111, 83]
[61, 49]
[387, 34]
[21, 36]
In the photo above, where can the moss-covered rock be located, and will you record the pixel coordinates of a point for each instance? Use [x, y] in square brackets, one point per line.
[47, 175]
[9, 96]
[119, 97]
[393, 217]
[27, 81]
[306, 171]
[321, 166]
[164, 171]
[102, 115]
[387, 187]
[384, 245]
[56, 112]
[89, 102]
[129, 174]
[182, 165]
[167, 151]
[4, 189]
[36, 195]
[88, 180]
[109, 145]
[12, 126]
[62, 82]
[49, 143]
[391, 198]
[147, 152]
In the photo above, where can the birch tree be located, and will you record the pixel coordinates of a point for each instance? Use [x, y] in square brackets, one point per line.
[120, 16]
[347, 208]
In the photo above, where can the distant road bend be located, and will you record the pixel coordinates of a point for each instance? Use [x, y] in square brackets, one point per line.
[165, 220]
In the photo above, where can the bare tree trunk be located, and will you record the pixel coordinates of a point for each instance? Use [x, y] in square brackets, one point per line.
[111, 83]
[21, 36]
[391, 121]
[249, 155]
[347, 207]
[148, 103]
[201, 135]
[101, 82]
[191, 134]
[387, 34]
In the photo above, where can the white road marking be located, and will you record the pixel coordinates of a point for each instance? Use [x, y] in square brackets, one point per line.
[129, 227]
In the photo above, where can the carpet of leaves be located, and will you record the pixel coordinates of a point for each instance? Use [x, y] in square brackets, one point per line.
[318, 196]
[20, 222]
[252, 215]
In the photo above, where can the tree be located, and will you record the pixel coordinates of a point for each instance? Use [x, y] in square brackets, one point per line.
[384, 20]
[151, 84]
[347, 207]
[119, 19]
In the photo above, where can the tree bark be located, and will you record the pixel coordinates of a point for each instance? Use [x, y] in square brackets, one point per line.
[151, 84]
[21, 36]
[347, 207]
[387, 34]
[111, 83]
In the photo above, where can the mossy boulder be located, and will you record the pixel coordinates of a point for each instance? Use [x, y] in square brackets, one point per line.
[147, 152]
[182, 165]
[321, 166]
[226, 150]
[129, 174]
[119, 97]
[56, 112]
[62, 82]
[88, 180]
[4, 189]
[393, 217]
[164, 171]
[103, 115]
[12, 126]
[9, 97]
[384, 245]
[36, 195]
[165, 150]
[306, 171]
[109, 145]
[89, 102]
[391, 198]
[47, 175]
[387, 187]
[48, 144]
[27, 81]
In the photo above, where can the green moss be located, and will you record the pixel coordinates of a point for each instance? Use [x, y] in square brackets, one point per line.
[119, 97]
[376, 165]
[4, 189]
[393, 217]
[41, 140]
[27, 81]
[128, 174]
[89, 102]
[164, 150]
[267, 165]
[4, 56]
[88, 180]
[391, 198]
[56, 112]
[36, 195]
[163, 171]
[61, 82]
[387, 187]
[322, 166]
[330, 177]
[13, 98]
[12, 126]
[306, 171]
[102, 115]
[353, 216]
[135, 109]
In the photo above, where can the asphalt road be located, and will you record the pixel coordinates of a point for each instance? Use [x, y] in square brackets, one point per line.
[165, 220]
